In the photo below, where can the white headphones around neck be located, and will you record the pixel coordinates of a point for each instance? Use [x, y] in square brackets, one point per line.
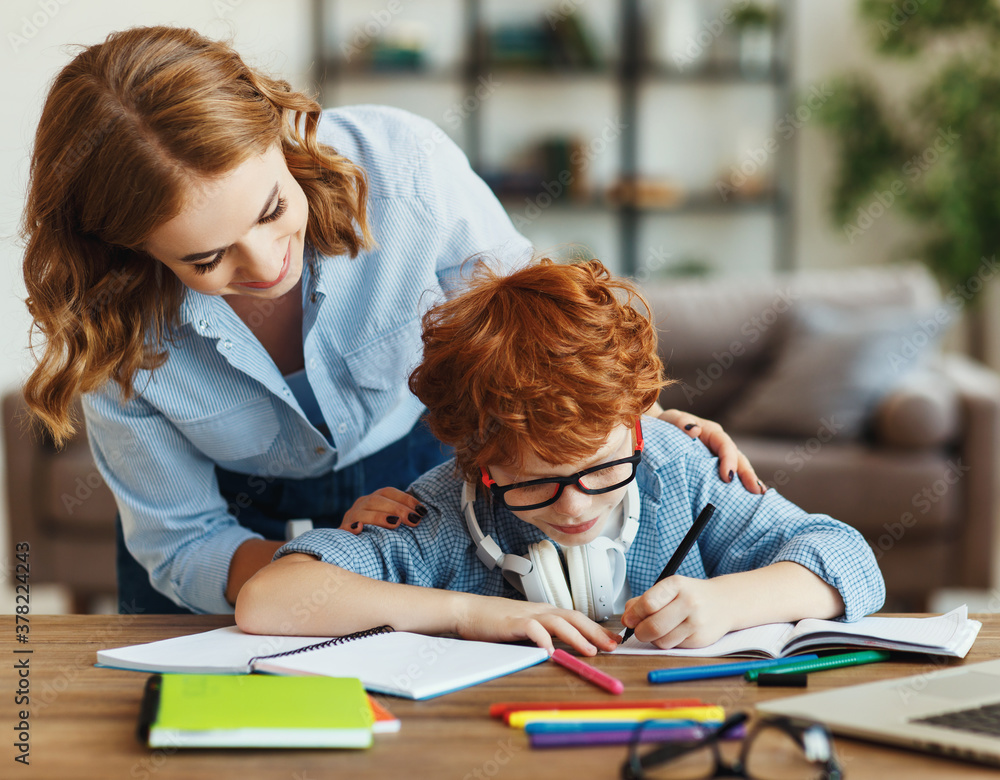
[596, 571]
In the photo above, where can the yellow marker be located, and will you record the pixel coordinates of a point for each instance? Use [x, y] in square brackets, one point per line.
[707, 712]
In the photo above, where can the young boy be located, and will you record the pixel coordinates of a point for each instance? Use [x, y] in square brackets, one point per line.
[534, 378]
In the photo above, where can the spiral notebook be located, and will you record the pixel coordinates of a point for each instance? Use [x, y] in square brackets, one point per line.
[398, 663]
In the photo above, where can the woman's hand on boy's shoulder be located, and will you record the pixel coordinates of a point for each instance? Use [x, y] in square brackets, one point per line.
[386, 507]
[498, 619]
[732, 462]
[681, 612]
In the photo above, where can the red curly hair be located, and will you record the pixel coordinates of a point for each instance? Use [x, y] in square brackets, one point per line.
[545, 361]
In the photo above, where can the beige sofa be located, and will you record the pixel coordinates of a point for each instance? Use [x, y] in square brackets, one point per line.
[919, 474]
[920, 481]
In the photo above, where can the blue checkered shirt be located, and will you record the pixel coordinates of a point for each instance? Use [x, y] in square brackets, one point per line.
[676, 478]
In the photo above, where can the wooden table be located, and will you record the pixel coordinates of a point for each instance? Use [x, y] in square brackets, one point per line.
[82, 719]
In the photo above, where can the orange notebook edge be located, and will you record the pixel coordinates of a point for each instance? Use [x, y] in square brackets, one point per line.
[385, 721]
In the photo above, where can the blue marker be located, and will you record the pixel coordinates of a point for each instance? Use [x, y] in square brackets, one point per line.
[685, 673]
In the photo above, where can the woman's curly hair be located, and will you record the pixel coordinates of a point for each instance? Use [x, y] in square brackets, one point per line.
[127, 126]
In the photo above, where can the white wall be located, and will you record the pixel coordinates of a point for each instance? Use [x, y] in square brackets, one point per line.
[829, 42]
[275, 36]
[35, 38]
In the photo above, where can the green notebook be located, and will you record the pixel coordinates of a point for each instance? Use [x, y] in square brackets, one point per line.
[205, 710]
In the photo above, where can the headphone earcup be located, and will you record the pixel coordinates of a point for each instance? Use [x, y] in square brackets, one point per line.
[596, 576]
[548, 572]
[578, 567]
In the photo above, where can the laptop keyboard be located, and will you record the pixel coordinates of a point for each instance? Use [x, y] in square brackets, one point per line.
[979, 720]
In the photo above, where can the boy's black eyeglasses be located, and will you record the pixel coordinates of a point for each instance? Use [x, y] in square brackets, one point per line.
[775, 749]
[537, 493]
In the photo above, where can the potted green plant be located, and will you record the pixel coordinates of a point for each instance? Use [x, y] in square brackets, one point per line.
[935, 154]
[755, 26]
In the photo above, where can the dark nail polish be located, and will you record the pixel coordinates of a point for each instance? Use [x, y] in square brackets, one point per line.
[354, 526]
[689, 426]
[421, 510]
[730, 475]
[414, 517]
[392, 520]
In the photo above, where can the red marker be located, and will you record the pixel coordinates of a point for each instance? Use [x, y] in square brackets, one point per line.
[588, 673]
[504, 709]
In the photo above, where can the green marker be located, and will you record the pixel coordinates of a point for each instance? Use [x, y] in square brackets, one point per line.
[830, 662]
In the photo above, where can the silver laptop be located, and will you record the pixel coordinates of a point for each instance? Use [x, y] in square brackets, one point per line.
[952, 712]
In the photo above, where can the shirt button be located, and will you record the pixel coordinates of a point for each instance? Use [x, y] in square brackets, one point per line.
[342, 428]
[313, 363]
[286, 392]
[227, 344]
[320, 450]
[203, 325]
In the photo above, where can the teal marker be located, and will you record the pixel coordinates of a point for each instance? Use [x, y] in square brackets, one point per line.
[830, 662]
[710, 671]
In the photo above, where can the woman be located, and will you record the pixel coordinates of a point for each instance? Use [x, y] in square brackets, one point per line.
[234, 282]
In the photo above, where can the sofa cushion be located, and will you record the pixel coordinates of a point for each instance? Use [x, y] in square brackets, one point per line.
[719, 333]
[834, 367]
[713, 338]
[707, 390]
[922, 413]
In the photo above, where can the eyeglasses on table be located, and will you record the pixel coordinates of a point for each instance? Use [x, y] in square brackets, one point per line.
[776, 748]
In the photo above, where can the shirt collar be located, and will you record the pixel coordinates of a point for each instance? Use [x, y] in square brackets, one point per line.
[313, 281]
[196, 307]
[319, 272]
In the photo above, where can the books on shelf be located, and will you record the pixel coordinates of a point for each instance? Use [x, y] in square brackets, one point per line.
[951, 634]
[557, 41]
[397, 663]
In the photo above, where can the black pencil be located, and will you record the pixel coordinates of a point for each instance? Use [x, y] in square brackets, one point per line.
[681, 552]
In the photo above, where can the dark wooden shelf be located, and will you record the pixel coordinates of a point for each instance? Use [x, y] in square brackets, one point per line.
[513, 70]
[336, 68]
[631, 76]
[721, 74]
[709, 203]
[714, 73]
[515, 200]
[695, 204]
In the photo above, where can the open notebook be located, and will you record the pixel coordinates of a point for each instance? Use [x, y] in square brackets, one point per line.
[951, 634]
[398, 663]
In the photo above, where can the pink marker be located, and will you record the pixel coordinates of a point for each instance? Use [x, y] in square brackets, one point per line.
[587, 672]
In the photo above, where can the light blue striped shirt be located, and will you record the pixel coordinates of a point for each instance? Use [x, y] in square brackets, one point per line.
[220, 399]
[677, 478]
